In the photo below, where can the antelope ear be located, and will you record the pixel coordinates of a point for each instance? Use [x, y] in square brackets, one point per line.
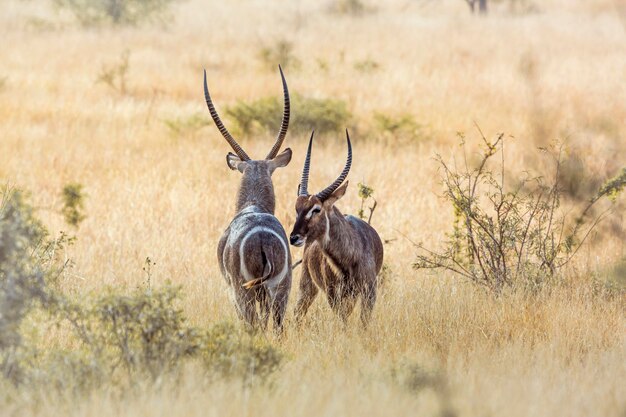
[234, 162]
[337, 194]
[281, 160]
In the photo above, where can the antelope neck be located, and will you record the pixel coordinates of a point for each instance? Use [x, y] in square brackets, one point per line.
[256, 189]
[338, 233]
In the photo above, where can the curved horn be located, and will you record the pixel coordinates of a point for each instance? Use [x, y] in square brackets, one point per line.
[304, 182]
[285, 123]
[323, 195]
[218, 122]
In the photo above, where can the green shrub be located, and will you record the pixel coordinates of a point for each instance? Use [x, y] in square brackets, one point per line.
[322, 65]
[514, 237]
[145, 331]
[27, 258]
[145, 334]
[281, 53]
[116, 12]
[114, 338]
[612, 188]
[349, 7]
[321, 115]
[187, 126]
[402, 128]
[120, 338]
[21, 277]
[232, 353]
[366, 66]
[365, 194]
[73, 204]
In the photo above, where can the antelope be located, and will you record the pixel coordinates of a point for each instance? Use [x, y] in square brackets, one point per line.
[253, 252]
[342, 254]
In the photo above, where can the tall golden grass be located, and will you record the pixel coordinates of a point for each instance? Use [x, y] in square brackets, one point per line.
[554, 74]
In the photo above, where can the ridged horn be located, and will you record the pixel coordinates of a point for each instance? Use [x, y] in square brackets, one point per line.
[324, 194]
[285, 123]
[304, 182]
[218, 122]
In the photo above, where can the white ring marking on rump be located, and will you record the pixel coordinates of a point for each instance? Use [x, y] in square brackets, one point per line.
[242, 264]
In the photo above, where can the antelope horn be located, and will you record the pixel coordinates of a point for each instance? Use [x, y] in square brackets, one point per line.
[218, 122]
[285, 123]
[304, 182]
[323, 195]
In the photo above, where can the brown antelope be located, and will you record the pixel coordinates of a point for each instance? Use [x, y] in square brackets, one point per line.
[253, 252]
[342, 254]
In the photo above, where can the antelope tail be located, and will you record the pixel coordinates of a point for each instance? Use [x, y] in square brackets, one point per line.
[267, 273]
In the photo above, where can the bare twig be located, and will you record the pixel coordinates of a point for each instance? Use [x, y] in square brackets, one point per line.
[369, 219]
[296, 264]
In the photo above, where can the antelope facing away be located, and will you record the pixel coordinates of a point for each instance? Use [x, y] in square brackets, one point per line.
[253, 252]
[342, 254]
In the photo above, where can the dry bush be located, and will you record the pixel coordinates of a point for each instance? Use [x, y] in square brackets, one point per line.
[115, 76]
[366, 66]
[511, 237]
[415, 379]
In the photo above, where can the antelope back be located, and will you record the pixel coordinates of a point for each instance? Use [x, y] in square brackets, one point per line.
[255, 244]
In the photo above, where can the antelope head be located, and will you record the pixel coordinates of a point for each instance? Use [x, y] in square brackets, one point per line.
[240, 160]
[313, 211]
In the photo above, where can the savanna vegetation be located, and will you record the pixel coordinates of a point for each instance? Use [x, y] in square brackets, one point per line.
[488, 153]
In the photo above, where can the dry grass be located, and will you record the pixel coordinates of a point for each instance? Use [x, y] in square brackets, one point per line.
[555, 74]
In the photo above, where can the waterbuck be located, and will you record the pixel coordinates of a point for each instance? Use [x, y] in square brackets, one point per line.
[342, 254]
[253, 252]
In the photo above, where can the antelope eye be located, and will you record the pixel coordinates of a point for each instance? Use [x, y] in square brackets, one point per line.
[314, 210]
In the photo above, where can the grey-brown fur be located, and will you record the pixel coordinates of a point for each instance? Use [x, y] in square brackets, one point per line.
[253, 253]
[342, 254]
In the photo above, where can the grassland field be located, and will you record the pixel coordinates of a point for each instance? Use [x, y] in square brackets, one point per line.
[556, 74]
